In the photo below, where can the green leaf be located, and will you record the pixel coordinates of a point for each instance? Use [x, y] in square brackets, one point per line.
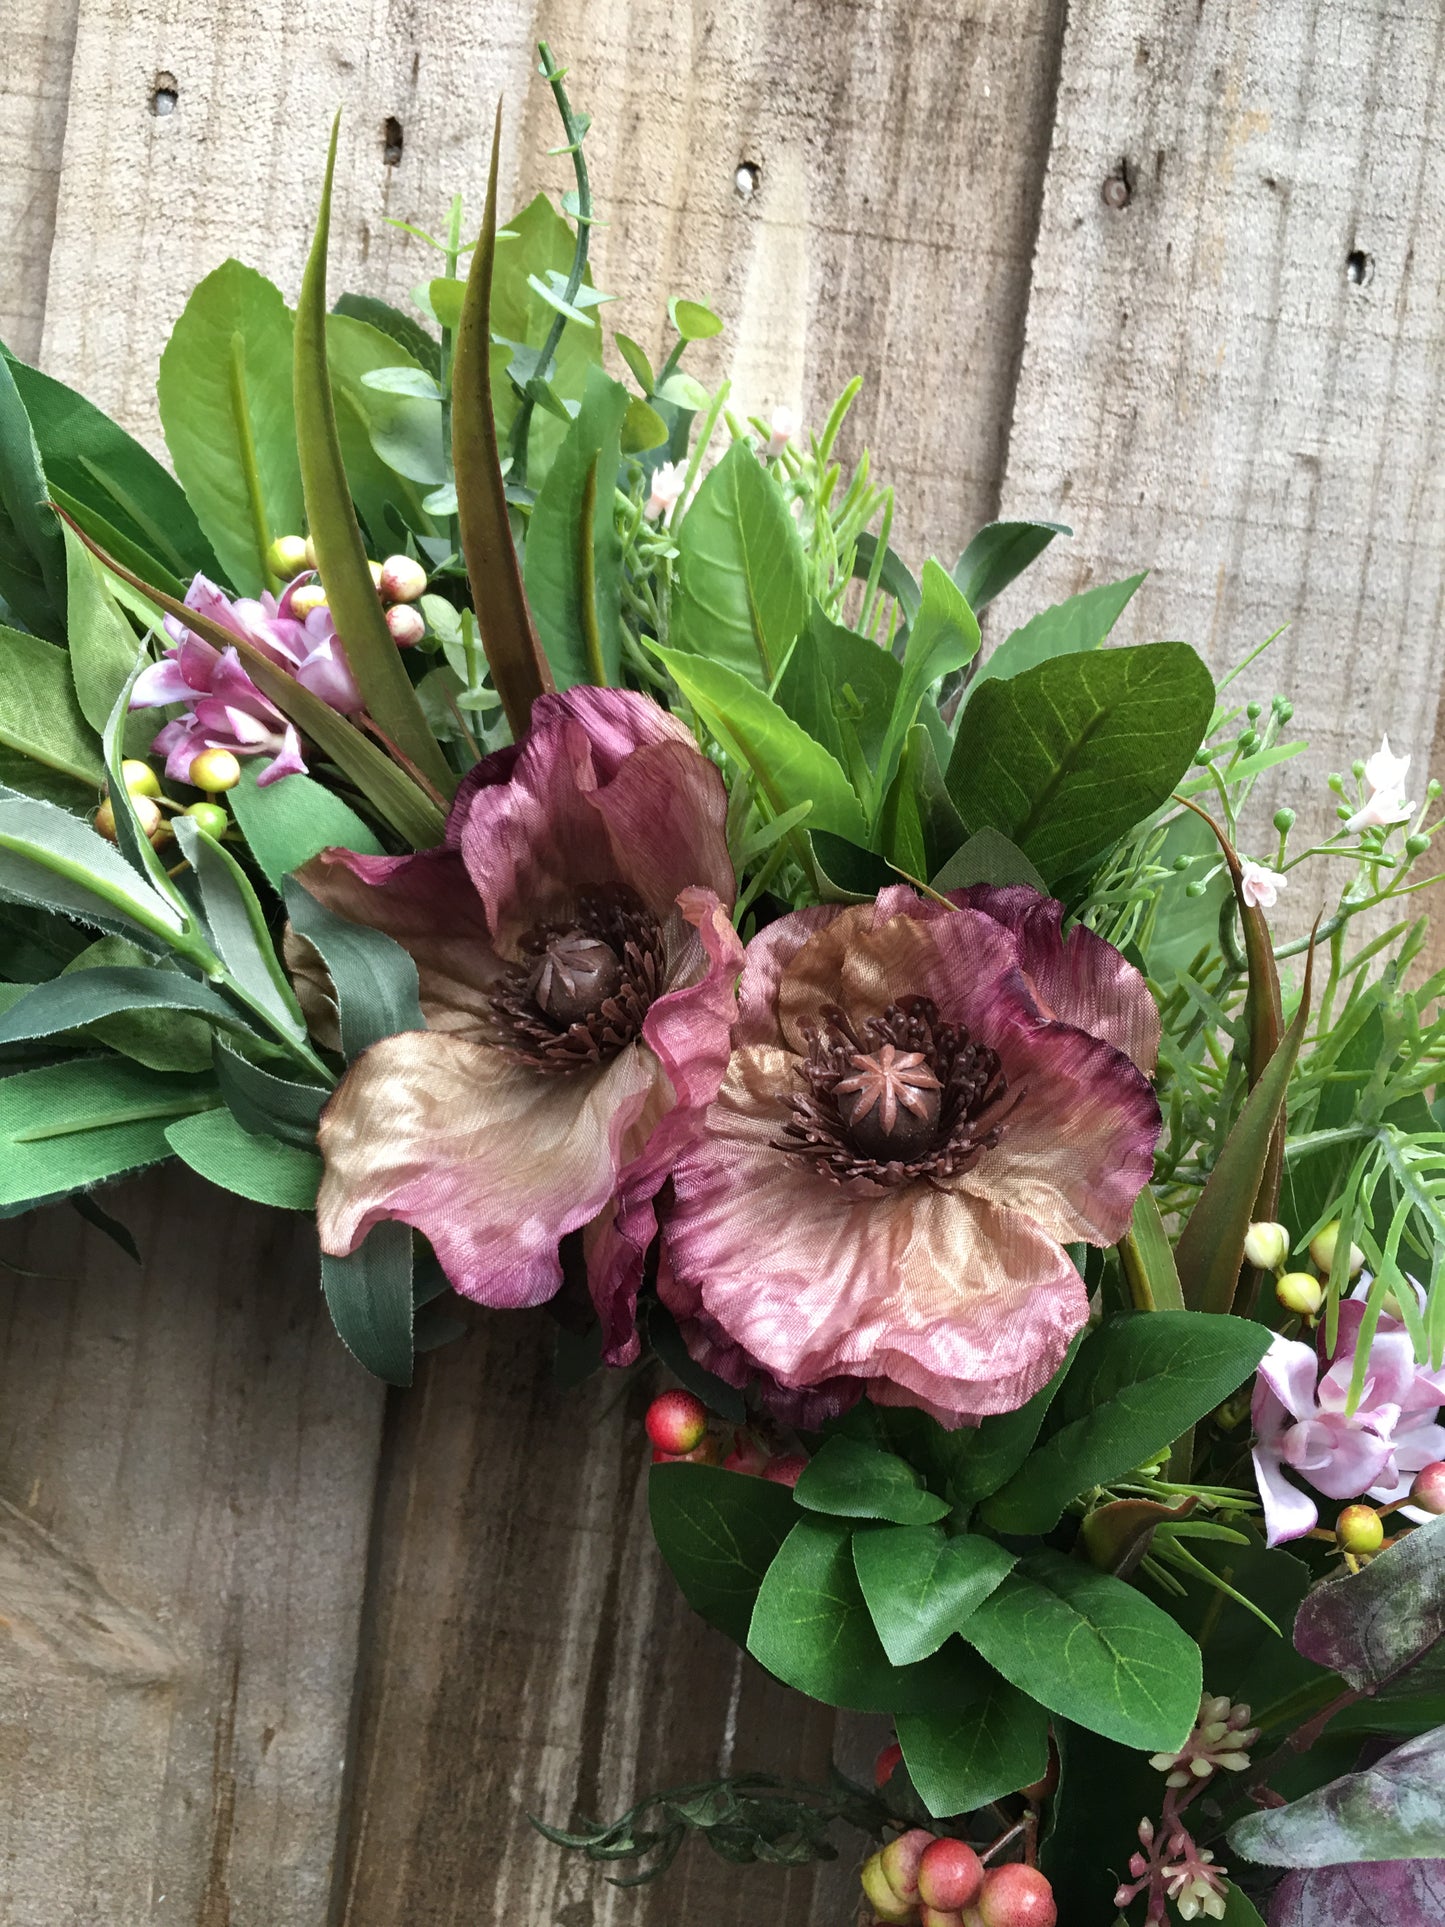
[842, 689]
[1065, 758]
[637, 362]
[1395, 1810]
[224, 393]
[1092, 1650]
[32, 560]
[238, 930]
[921, 1585]
[942, 637]
[23, 776]
[370, 1301]
[266, 1104]
[988, 857]
[537, 241]
[573, 571]
[39, 715]
[104, 650]
[846, 873]
[50, 859]
[981, 1739]
[741, 593]
[519, 668]
[424, 349]
[375, 979]
[997, 554]
[376, 662]
[446, 294]
[919, 829]
[719, 1532]
[391, 444]
[1080, 623]
[789, 766]
[642, 428]
[857, 1481]
[1148, 1258]
[811, 1625]
[163, 1039]
[692, 320]
[74, 999]
[109, 476]
[74, 1124]
[893, 576]
[289, 822]
[1138, 1381]
[260, 1168]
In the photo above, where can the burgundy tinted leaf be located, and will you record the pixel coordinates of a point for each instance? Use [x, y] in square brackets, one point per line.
[1401, 1893]
[1385, 1619]
[1394, 1811]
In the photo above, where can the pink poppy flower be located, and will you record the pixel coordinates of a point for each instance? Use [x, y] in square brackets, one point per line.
[923, 1106]
[576, 965]
[224, 708]
[1301, 1424]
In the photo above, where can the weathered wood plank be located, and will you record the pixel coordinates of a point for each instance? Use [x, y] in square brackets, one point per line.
[186, 1468]
[1234, 370]
[34, 97]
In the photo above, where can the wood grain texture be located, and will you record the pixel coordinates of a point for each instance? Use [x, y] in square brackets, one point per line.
[187, 1460]
[34, 99]
[1235, 377]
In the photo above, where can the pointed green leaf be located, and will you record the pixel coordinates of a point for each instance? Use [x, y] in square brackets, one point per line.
[238, 930]
[942, 637]
[811, 1624]
[574, 554]
[375, 979]
[988, 857]
[288, 823]
[424, 349]
[857, 1481]
[32, 559]
[719, 1532]
[260, 1168]
[39, 715]
[997, 554]
[741, 593]
[1079, 623]
[162, 1039]
[104, 650]
[49, 858]
[370, 1301]
[921, 1584]
[979, 1740]
[75, 999]
[74, 1124]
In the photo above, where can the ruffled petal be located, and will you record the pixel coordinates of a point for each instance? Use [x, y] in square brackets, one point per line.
[1287, 1374]
[1288, 1512]
[1339, 1457]
[490, 1161]
[770, 953]
[161, 682]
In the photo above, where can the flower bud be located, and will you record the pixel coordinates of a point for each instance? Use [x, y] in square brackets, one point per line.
[288, 555]
[1300, 1292]
[1417, 845]
[1283, 708]
[676, 1422]
[950, 1874]
[211, 817]
[402, 579]
[879, 1893]
[1266, 1245]
[1017, 1896]
[303, 600]
[139, 778]
[1284, 821]
[215, 770]
[104, 822]
[1254, 711]
[901, 1859]
[1248, 741]
[308, 554]
[786, 1470]
[1428, 1491]
[1322, 1249]
[407, 625]
[1359, 1530]
[886, 1765]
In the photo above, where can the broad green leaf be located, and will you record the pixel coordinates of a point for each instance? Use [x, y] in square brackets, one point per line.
[1385, 1622]
[289, 822]
[50, 859]
[75, 1124]
[573, 573]
[23, 776]
[391, 444]
[424, 349]
[1080, 623]
[741, 593]
[376, 662]
[997, 554]
[108, 475]
[404, 379]
[224, 392]
[266, 1104]
[375, 979]
[980, 1739]
[1395, 1810]
[857, 1481]
[842, 689]
[719, 1532]
[642, 428]
[789, 766]
[1091, 1649]
[32, 558]
[238, 930]
[81, 997]
[811, 1624]
[39, 715]
[692, 320]
[520, 672]
[1065, 758]
[844, 872]
[163, 1039]
[942, 637]
[987, 857]
[104, 650]
[370, 1301]
[921, 1584]
[260, 1168]
[1137, 1382]
[446, 295]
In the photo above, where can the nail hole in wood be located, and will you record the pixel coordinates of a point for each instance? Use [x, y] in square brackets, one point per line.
[1359, 268]
[747, 180]
[164, 95]
[392, 140]
[1118, 189]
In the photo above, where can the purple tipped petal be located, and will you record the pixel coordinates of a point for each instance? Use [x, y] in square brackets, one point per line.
[287, 761]
[161, 682]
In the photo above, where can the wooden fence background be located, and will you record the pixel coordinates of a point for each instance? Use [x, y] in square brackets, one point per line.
[276, 1651]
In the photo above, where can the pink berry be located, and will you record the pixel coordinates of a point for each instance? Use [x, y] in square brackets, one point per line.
[676, 1422]
[941, 1917]
[746, 1456]
[407, 625]
[949, 1876]
[901, 1859]
[1017, 1896]
[1428, 1491]
[887, 1763]
[786, 1470]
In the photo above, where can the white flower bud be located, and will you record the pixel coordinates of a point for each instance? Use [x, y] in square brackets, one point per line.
[1266, 1245]
[1322, 1249]
[402, 579]
[407, 625]
[1300, 1293]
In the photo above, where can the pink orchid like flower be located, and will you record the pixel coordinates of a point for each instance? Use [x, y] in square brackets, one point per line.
[1385, 805]
[668, 482]
[225, 709]
[576, 964]
[924, 1105]
[1259, 886]
[1302, 1426]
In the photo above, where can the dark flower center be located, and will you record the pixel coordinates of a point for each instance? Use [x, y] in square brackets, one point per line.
[901, 1097]
[583, 987]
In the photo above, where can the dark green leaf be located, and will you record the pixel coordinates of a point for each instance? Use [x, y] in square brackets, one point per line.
[1091, 1649]
[857, 1481]
[573, 572]
[288, 823]
[919, 828]
[1148, 1258]
[719, 1532]
[260, 1168]
[846, 873]
[369, 1298]
[997, 554]
[973, 1461]
[375, 979]
[893, 575]
[988, 857]
[265, 1103]
[71, 1125]
[1393, 1811]
[980, 1739]
[109, 1227]
[842, 689]
[642, 428]
[921, 1585]
[811, 1625]
[238, 930]
[162, 1038]
[32, 560]
[1080, 623]
[77, 998]
[424, 349]
[39, 716]
[741, 592]
[942, 637]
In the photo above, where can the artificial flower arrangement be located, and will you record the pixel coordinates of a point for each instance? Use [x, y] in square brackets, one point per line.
[589, 866]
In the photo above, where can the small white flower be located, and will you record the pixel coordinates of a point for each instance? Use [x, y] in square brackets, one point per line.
[1384, 808]
[1260, 887]
[667, 485]
[1386, 771]
[784, 425]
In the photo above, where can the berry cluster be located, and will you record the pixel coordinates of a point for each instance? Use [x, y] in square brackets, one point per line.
[680, 1427]
[937, 1881]
[400, 582]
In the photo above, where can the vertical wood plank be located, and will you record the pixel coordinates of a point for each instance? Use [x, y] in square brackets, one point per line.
[187, 1461]
[1235, 353]
[34, 97]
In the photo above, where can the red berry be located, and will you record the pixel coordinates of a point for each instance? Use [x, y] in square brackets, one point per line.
[901, 1859]
[1017, 1896]
[1428, 1491]
[747, 1455]
[949, 1875]
[676, 1422]
[886, 1765]
[786, 1470]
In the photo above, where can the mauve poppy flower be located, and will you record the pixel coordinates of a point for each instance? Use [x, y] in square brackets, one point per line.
[924, 1105]
[576, 965]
